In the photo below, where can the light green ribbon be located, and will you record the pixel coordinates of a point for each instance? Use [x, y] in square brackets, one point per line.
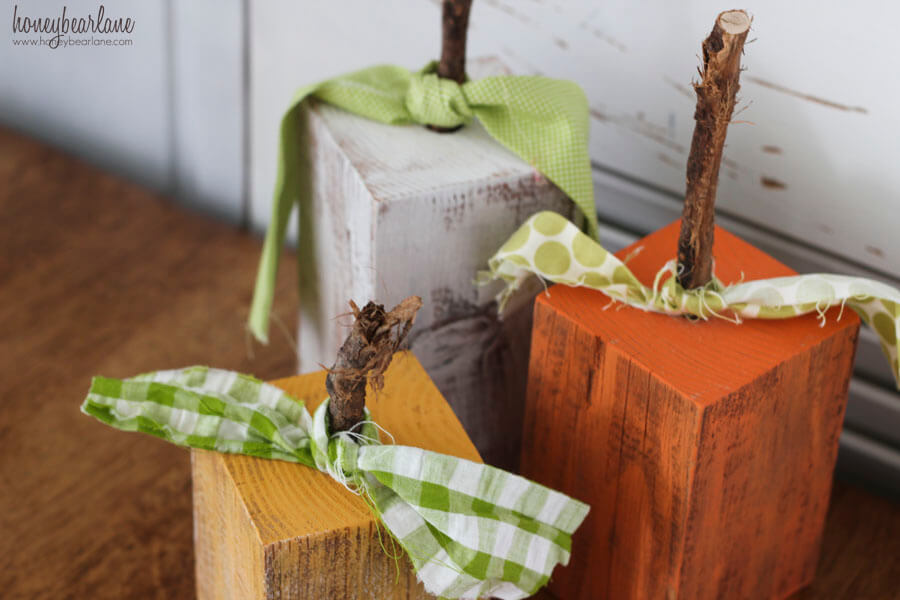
[470, 530]
[542, 120]
[551, 247]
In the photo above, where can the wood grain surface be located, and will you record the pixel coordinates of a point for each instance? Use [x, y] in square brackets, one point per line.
[709, 446]
[272, 529]
[88, 512]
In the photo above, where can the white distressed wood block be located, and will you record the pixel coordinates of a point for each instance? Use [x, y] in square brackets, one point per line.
[398, 211]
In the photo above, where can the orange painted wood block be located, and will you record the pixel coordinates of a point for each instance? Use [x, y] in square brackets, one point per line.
[705, 449]
[272, 529]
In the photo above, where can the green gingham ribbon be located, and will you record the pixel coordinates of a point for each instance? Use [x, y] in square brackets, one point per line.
[551, 247]
[470, 530]
[544, 121]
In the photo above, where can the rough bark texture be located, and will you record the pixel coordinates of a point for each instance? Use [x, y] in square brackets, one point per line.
[455, 23]
[716, 92]
[364, 357]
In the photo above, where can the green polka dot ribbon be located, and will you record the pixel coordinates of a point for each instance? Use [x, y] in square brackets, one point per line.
[551, 247]
[542, 120]
[470, 530]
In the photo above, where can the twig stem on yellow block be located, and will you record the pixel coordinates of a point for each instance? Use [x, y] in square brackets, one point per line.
[716, 93]
[375, 336]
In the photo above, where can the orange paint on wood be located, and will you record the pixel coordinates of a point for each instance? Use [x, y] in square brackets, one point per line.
[705, 449]
[272, 529]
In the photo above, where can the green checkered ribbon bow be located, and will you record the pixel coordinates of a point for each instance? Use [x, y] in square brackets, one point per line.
[544, 121]
[551, 247]
[470, 530]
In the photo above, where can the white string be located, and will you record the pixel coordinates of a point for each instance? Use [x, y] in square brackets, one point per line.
[663, 292]
[337, 473]
[380, 428]
[632, 254]
[365, 438]
[821, 311]
[353, 485]
[841, 313]
[736, 319]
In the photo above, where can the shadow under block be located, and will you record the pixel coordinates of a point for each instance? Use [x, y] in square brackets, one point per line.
[705, 449]
[402, 210]
[272, 529]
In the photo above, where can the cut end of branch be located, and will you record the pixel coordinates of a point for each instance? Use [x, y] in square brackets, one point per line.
[365, 355]
[716, 96]
[734, 22]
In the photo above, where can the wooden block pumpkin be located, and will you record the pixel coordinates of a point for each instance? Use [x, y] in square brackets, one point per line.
[272, 529]
[705, 448]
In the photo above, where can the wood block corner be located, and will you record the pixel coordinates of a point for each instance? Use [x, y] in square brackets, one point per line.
[272, 529]
[705, 449]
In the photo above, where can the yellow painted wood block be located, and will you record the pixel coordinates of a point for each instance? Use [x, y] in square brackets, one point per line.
[272, 529]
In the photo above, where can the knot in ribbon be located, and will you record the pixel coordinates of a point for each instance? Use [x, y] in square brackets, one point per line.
[549, 246]
[470, 530]
[432, 100]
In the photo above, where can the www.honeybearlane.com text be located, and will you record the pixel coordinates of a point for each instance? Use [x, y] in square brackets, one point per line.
[70, 42]
[57, 27]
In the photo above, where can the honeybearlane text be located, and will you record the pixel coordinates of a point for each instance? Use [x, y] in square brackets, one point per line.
[57, 27]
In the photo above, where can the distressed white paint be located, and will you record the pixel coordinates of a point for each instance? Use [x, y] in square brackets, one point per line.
[398, 211]
[294, 44]
[635, 61]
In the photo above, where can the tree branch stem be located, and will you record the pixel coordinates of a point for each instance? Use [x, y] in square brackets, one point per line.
[455, 24]
[716, 93]
[364, 357]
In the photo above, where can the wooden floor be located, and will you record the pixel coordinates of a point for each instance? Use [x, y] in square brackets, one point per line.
[98, 276]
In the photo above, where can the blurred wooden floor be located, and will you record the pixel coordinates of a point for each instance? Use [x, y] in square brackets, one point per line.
[98, 276]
